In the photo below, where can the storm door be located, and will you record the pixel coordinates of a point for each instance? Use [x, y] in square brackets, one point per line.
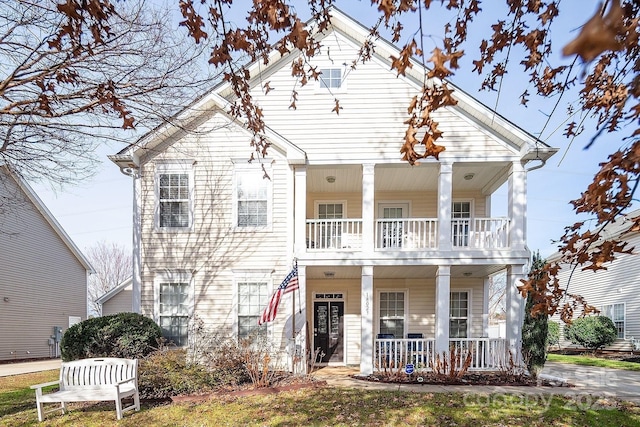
[328, 331]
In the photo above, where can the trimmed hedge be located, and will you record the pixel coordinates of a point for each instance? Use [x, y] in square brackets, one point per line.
[127, 335]
[592, 332]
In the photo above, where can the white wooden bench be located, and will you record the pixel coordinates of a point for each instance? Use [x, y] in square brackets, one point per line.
[107, 378]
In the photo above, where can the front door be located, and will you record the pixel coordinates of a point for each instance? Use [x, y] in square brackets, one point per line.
[328, 331]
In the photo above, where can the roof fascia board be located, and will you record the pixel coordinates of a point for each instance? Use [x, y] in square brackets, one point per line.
[113, 292]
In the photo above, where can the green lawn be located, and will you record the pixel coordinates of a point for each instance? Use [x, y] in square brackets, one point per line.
[593, 361]
[324, 407]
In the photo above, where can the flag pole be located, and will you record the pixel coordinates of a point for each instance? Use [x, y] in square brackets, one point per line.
[293, 327]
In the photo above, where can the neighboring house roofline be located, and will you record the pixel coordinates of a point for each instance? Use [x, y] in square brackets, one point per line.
[48, 216]
[113, 292]
[612, 231]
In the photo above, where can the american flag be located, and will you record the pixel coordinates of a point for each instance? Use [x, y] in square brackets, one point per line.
[289, 284]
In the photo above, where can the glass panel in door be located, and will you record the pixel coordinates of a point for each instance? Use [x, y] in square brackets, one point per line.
[460, 223]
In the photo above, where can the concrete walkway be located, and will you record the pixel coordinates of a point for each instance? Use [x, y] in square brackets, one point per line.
[7, 369]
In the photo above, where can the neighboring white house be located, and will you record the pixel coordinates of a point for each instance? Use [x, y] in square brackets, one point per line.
[388, 255]
[613, 291]
[43, 275]
[118, 299]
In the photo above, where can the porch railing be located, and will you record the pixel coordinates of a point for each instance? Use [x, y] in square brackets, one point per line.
[334, 234]
[487, 354]
[480, 233]
[407, 233]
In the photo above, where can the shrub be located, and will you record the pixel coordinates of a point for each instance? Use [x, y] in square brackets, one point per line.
[534, 327]
[128, 335]
[166, 372]
[553, 334]
[592, 332]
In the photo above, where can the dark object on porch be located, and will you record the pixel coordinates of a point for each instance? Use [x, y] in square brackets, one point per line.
[415, 349]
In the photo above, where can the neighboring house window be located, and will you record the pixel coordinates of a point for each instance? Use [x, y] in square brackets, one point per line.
[253, 199]
[331, 78]
[173, 306]
[392, 313]
[615, 312]
[174, 196]
[252, 299]
[458, 314]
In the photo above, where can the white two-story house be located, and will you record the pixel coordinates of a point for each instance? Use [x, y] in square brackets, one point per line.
[389, 256]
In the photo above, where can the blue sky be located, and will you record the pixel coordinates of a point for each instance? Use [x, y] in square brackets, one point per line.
[100, 209]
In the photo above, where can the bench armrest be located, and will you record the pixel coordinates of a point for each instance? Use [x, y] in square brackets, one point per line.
[44, 385]
[119, 383]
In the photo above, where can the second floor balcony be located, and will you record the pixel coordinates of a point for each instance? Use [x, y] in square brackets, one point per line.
[406, 234]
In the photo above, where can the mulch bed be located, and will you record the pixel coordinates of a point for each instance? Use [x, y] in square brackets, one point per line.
[470, 378]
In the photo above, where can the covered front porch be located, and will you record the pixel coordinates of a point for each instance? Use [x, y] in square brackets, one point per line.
[382, 318]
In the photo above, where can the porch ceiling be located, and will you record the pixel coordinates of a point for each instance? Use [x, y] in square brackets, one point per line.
[399, 271]
[403, 177]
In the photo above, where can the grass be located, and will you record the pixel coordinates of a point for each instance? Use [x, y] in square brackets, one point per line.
[593, 361]
[327, 406]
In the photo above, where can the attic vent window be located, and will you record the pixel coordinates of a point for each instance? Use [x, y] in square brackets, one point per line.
[331, 78]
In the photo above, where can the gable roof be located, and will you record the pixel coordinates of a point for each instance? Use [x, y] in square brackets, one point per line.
[49, 218]
[115, 291]
[218, 99]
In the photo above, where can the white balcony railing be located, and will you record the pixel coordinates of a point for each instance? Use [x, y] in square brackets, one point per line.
[480, 233]
[487, 354]
[407, 233]
[334, 234]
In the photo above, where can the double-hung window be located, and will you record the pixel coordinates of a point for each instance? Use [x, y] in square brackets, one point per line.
[252, 198]
[458, 314]
[252, 299]
[392, 313]
[174, 307]
[615, 312]
[174, 196]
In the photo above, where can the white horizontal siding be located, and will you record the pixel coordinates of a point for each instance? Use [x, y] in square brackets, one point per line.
[370, 124]
[618, 284]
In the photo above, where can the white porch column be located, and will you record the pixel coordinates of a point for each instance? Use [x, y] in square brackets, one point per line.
[517, 205]
[301, 321]
[485, 306]
[366, 318]
[300, 209]
[368, 208]
[136, 278]
[445, 188]
[443, 285]
[515, 309]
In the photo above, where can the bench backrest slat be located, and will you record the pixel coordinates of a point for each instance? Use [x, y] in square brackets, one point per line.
[96, 372]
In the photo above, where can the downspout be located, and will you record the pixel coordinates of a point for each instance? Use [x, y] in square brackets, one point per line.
[134, 172]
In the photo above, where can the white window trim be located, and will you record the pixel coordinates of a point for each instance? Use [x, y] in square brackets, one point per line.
[405, 291]
[241, 276]
[255, 169]
[469, 307]
[624, 322]
[394, 204]
[471, 207]
[344, 71]
[172, 276]
[317, 203]
[174, 166]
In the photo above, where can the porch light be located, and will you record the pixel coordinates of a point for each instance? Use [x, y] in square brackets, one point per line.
[331, 179]
[469, 176]
[466, 274]
[329, 274]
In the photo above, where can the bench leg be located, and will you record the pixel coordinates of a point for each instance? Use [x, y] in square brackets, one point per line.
[136, 401]
[63, 407]
[119, 408]
[40, 407]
